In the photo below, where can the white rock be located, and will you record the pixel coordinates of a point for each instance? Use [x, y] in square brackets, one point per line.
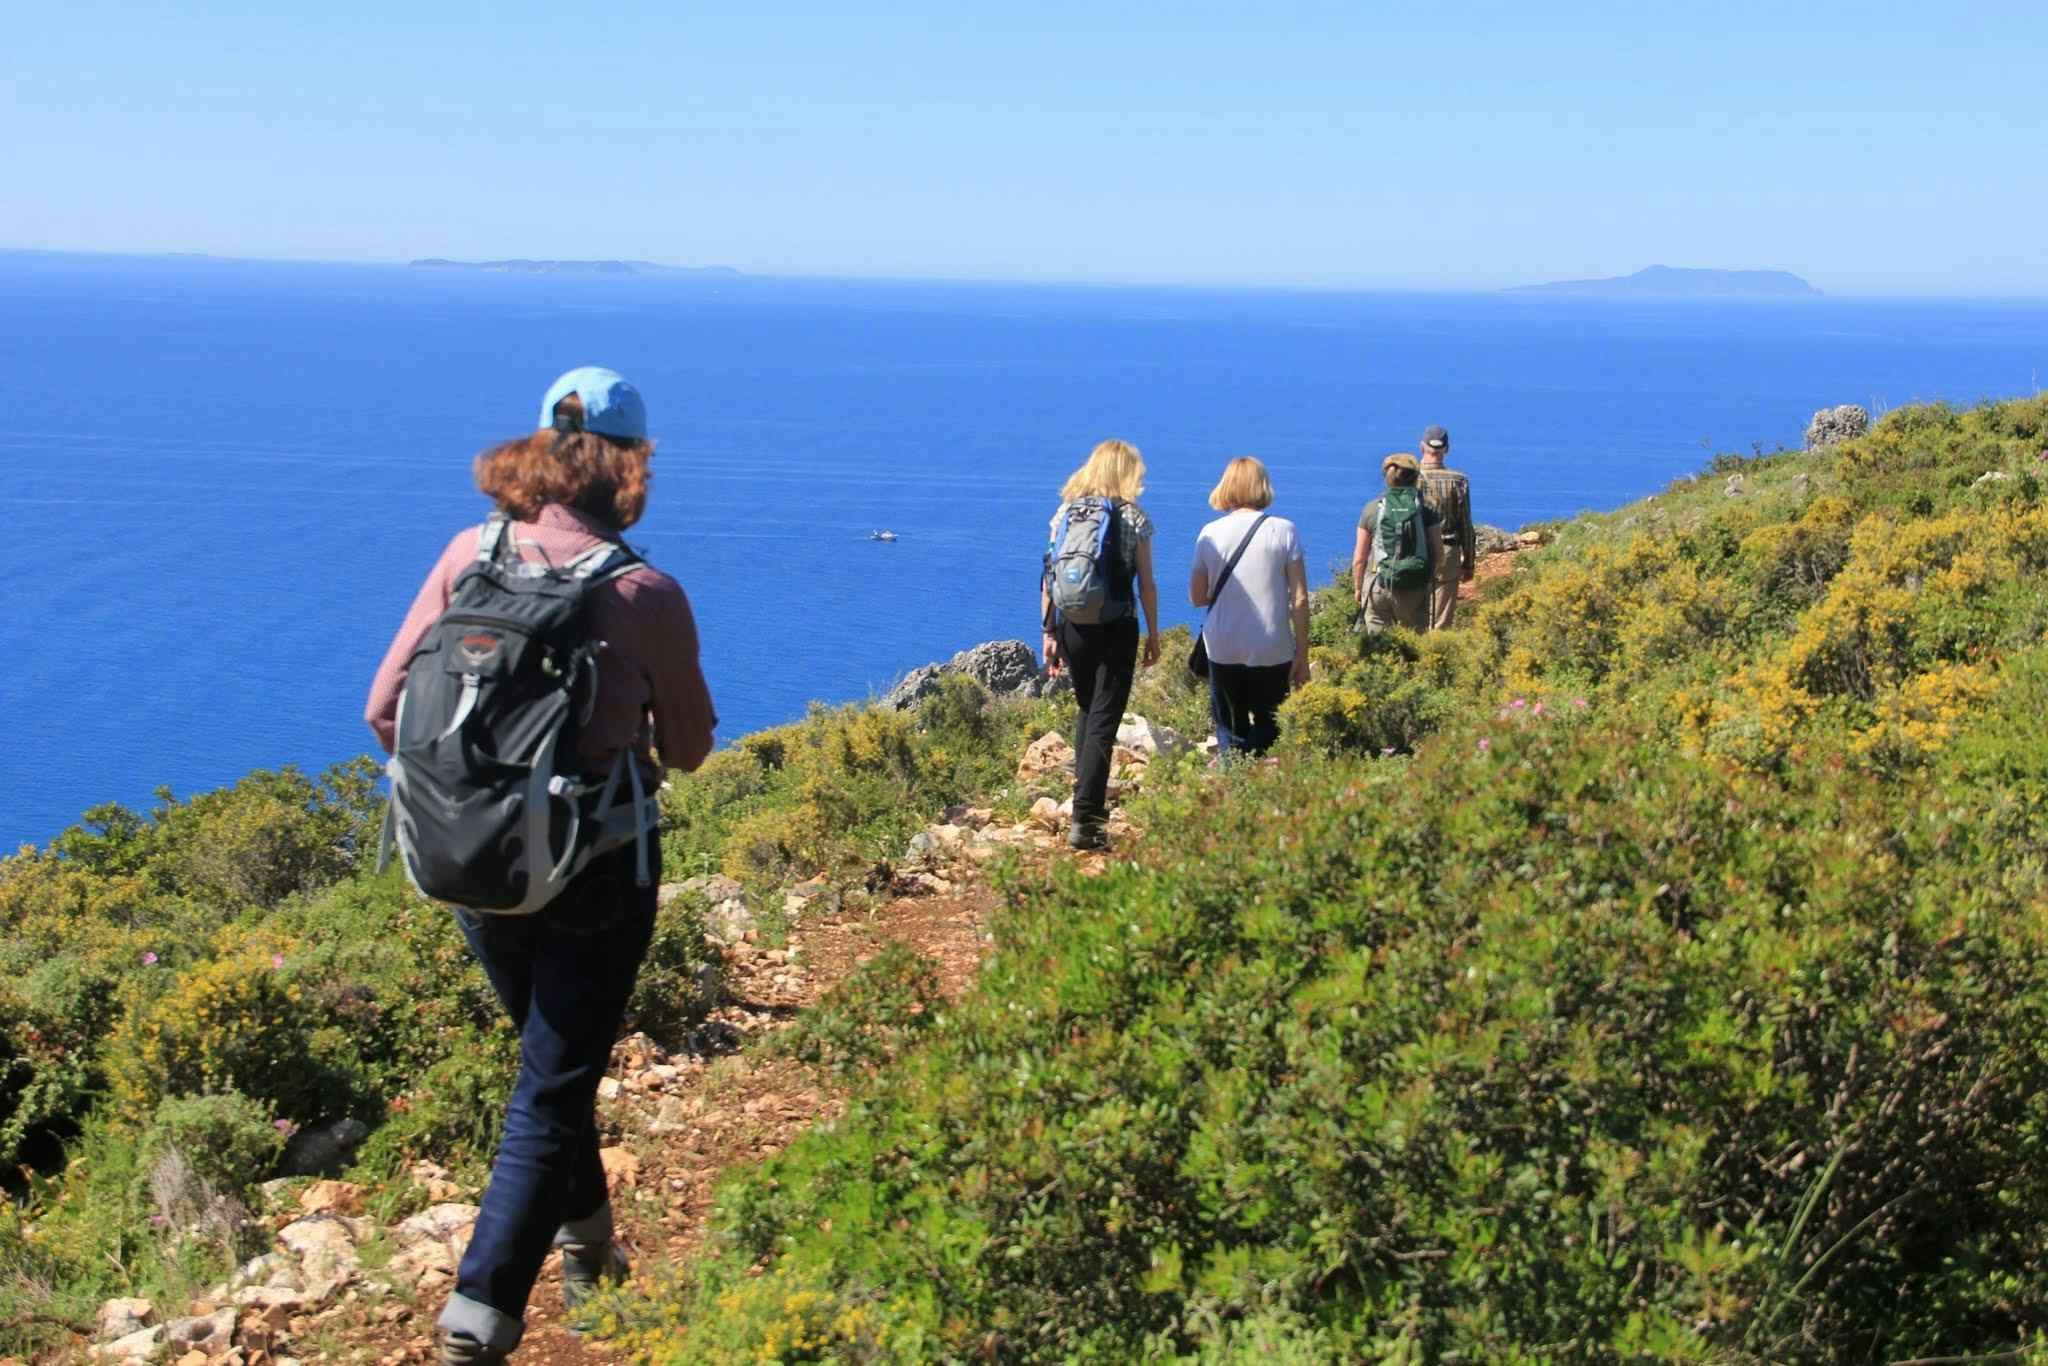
[137, 1346]
[215, 1330]
[325, 1245]
[713, 889]
[269, 1297]
[440, 1223]
[417, 1268]
[1049, 754]
[119, 1318]
[272, 1269]
[1142, 737]
[670, 1117]
[730, 921]
[608, 1088]
[1045, 812]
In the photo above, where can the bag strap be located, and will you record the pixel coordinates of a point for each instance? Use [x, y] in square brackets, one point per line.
[1236, 555]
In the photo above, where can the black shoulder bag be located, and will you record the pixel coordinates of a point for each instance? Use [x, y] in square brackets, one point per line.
[1198, 658]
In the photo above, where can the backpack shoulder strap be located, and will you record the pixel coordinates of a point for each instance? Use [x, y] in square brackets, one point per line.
[491, 537]
[1059, 529]
[1108, 521]
[603, 562]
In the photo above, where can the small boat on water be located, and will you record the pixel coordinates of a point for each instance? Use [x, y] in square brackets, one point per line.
[881, 535]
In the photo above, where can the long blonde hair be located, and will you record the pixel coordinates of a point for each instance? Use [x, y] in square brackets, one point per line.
[1114, 470]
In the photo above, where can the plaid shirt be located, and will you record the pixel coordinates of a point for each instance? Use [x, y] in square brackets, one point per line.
[1449, 493]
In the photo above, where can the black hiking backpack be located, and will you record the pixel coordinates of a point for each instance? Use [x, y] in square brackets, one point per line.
[488, 810]
[1400, 543]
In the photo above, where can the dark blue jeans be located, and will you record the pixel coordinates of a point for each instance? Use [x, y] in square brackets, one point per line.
[1244, 703]
[563, 974]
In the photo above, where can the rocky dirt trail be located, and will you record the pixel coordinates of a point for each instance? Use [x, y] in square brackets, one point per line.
[340, 1287]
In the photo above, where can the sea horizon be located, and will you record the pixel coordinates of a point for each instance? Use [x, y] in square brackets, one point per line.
[232, 476]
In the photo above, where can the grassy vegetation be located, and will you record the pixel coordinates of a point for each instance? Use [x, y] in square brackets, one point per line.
[236, 953]
[1654, 968]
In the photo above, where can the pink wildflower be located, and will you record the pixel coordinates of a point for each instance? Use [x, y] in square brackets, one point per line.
[1579, 702]
[1386, 751]
[285, 1127]
[277, 960]
[1519, 703]
[1484, 744]
[1536, 710]
[148, 958]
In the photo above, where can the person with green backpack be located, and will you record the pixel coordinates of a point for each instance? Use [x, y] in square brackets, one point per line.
[1392, 562]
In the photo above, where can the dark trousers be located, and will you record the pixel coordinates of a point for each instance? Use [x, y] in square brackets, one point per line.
[1244, 702]
[1104, 661]
[564, 975]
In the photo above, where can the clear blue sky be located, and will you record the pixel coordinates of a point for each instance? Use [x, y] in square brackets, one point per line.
[1874, 148]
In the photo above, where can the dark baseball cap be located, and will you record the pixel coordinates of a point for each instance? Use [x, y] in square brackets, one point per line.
[1435, 436]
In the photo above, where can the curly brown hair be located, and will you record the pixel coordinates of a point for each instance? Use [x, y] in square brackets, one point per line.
[602, 476]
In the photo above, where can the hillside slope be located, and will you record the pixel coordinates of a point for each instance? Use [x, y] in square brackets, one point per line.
[1654, 968]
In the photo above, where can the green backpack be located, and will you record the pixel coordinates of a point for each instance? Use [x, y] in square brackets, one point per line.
[1399, 541]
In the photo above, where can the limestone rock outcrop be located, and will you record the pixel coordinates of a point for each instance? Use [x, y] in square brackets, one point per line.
[1006, 668]
[1844, 422]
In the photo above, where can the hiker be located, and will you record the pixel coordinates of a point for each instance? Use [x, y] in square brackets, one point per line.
[1101, 542]
[1449, 495]
[1390, 565]
[563, 496]
[1249, 573]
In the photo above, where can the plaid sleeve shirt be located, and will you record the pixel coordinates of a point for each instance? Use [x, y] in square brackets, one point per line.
[1449, 493]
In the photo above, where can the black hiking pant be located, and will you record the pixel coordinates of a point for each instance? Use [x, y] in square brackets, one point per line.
[1104, 661]
[1244, 700]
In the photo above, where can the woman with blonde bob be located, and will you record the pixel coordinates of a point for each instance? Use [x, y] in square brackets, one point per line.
[1249, 572]
[1098, 572]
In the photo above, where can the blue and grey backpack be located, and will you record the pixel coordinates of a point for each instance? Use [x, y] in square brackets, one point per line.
[1084, 570]
[487, 809]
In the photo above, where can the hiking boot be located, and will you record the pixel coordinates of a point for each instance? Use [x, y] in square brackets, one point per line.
[460, 1349]
[1088, 835]
[587, 1266]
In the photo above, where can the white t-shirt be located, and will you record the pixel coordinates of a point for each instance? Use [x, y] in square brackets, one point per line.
[1249, 623]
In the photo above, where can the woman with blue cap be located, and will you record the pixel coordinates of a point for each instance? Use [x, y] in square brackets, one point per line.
[564, 972]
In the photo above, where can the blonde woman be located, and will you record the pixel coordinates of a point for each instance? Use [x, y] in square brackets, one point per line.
[1249, 572]
[1098, 572]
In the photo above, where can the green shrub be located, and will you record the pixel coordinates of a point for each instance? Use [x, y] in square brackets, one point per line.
[269, 836]
[236, 1022]
[680, 980]
[226, 1139]
[871, 1016]
[452, 1111]
[1564, 1039]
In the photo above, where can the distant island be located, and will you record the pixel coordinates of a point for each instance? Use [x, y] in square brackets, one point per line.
[525, 267]
[1681, 282]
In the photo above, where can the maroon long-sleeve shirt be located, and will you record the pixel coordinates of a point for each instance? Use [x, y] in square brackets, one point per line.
[651, 692]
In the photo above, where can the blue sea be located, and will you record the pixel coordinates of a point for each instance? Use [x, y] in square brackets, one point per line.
[229, 477]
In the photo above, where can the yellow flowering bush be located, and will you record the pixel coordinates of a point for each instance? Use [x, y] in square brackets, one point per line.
[234, 1022]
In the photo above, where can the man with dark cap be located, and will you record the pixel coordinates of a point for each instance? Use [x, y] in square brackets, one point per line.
[1449, 495]
[1398, 541]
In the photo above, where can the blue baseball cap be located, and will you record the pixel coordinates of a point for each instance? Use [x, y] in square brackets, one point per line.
[611, 406]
